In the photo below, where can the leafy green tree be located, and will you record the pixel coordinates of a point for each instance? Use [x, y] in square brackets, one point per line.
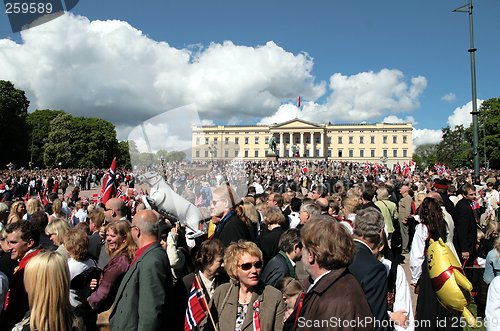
[455, 149]
[93, 142]
[13, 128]
[39, 123]
[489, 135]
[425, 155]
[57, 148]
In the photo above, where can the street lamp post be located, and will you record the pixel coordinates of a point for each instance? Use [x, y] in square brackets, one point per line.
[475, 126]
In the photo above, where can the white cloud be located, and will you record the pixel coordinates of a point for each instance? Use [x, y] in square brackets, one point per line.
[462, 115]
[426, 136]
[371, 95]
[395, 119]
[450, 97]
[111, 70]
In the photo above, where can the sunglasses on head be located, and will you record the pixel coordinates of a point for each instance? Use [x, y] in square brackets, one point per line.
[249, 265]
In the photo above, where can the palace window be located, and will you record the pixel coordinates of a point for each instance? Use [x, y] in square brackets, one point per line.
[339, 153]
[246, 153]
[226, 153]
[206, 141]
[246, 140]
[405, 153]
[197, 140]
[206, 153]
[197, 153]
[339, 140]
[394, 139]
[215, 141]
[405, 139]
[394, 153]
[256, 140]
[372, 153]
[384, 153]
[361, 153]
[351, 140]
[361, 140]
[256, 153]
[236, 140]
[384, 139]
[372, 139]
[351, 153]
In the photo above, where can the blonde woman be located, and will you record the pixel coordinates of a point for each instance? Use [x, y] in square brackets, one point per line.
[245, 301]
[121, 249]
[57, 211]
[56, 231]
[46, 279]
[17, 211]
[32, 206]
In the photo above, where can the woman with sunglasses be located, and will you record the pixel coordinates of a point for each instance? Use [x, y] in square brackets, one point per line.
[245, 302]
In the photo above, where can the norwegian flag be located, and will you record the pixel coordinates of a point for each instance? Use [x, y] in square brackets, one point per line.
[398, 169]
[95, 198]
[197, 307]
[298, 102]
[406, 170]
[109, 186]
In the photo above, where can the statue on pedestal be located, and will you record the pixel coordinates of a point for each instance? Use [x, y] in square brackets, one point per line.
[272, 146]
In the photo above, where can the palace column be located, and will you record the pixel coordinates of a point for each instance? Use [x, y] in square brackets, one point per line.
[322, 141]
[290, 151]
[312, 151]
[302, 144]
[282, 145]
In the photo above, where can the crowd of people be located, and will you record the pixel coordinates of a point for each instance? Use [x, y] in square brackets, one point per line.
[289, 245]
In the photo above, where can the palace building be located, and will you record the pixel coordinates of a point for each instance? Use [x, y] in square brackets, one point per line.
[377, 143]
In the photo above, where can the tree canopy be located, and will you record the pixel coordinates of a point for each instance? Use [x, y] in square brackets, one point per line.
[14, 130]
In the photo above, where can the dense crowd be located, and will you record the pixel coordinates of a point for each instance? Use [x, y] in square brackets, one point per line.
[293, 245]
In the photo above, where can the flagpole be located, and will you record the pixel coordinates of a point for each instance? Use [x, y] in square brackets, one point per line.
[475, 126]
[205, 302]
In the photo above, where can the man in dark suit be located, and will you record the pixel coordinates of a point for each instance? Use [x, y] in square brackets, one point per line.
[369, 271]
[144, 300]
[228, 226]
[465, 226]
[283, 264]
[95, 240]
[332, 294]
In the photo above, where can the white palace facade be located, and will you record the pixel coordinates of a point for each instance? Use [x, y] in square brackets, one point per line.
[377, 143]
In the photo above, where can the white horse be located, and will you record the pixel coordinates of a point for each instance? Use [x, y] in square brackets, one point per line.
[167, 200]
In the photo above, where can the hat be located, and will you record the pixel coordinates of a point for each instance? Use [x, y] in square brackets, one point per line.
[441, 184]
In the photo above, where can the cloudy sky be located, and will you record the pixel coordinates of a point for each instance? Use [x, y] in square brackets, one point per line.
[246, 62]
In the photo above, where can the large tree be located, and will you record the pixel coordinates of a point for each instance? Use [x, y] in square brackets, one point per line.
[425, 155]
[57, 148]
[13, 128]
[489, 120]
[455, 150]
[93, 142]
[39, 123]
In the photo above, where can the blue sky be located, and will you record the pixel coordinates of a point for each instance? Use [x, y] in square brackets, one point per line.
[350, 61]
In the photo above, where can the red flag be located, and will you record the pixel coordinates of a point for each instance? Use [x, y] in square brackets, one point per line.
[109, 186]
[56, 184]
[298, 102]
[197, 307]
[95, 198]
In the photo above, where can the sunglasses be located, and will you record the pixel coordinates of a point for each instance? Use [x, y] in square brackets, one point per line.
[249, 265]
